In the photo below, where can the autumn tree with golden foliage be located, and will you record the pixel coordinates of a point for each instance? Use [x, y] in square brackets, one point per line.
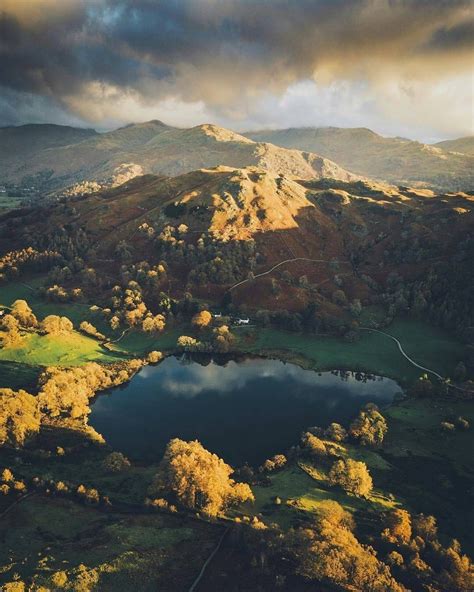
[197, 479]
[313, 445]
[334, 514]
[330, 553]
[65, 392]
[353, 476]
[398, 526]
[19, 417]
[116, 462]
[10, 335]
[202, 319]
[369, 427]
[153, 324]
[55, 325]
[24, 315]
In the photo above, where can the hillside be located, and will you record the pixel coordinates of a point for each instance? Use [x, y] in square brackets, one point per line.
[214, 227]
[154, 147]
[17, 144]
[462, 145]
[396, 160]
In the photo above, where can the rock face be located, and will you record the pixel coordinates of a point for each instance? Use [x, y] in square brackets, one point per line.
[151, 147]
[447, 166]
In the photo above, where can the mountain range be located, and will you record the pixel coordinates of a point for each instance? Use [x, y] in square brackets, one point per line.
[151, 147]
[54, 157]
[446, 166]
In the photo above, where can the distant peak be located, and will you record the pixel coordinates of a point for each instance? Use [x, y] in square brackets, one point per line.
[221, 134]
[151, 123]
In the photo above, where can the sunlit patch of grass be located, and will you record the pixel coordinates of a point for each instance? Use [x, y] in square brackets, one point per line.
[70, 349]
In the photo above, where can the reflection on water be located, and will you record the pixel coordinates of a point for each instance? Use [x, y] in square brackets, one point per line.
[244, 410]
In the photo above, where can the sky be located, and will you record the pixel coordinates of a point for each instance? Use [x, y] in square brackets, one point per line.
[400, 67]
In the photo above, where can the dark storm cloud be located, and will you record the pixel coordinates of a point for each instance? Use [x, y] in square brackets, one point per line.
[459, 37]
[221, 52]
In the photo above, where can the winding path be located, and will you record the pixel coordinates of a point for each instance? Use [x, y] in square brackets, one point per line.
[278, 265]
[442, 378]
[208, 560]
[402, 351]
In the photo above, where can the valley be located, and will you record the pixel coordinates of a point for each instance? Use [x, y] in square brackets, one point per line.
[313, 331]
[236, 296]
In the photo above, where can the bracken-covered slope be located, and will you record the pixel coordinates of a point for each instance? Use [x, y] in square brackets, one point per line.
[213, 227]
[461, 145]
[396, 160]
[154, 147]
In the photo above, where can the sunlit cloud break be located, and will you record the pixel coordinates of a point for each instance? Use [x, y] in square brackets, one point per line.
[395, 65]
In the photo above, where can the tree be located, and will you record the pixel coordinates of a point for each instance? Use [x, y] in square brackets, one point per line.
[197, 479]
[460, 372]
[223, 339]
[89, 329]
[276, 462]
[353, 476]
[425, 527]
[334, 513]
[154, 357]
[201, 319]
[336, 432]
[331, 554]
[313, 445]
[116, 462]
[114, 323]
[19, 417]
[23, 313]
[355, 308]
[339, 297]
[55, 325]
[398, 526]
[369, 427]
[10, 331]
[153, 323]
[188, 343]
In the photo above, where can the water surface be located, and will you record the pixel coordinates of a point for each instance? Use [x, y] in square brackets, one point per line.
[245, 410]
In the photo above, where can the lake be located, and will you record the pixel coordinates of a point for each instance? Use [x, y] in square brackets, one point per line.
[243, 410]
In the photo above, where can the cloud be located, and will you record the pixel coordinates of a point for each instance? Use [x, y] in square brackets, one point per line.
[191, 380]
[223, 58]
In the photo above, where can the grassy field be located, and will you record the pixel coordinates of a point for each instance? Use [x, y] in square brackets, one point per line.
[302, 487]
[415, 430]
[374, 353]
[120, 552]
[71, 349]
[75, 311]
[18, 365]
